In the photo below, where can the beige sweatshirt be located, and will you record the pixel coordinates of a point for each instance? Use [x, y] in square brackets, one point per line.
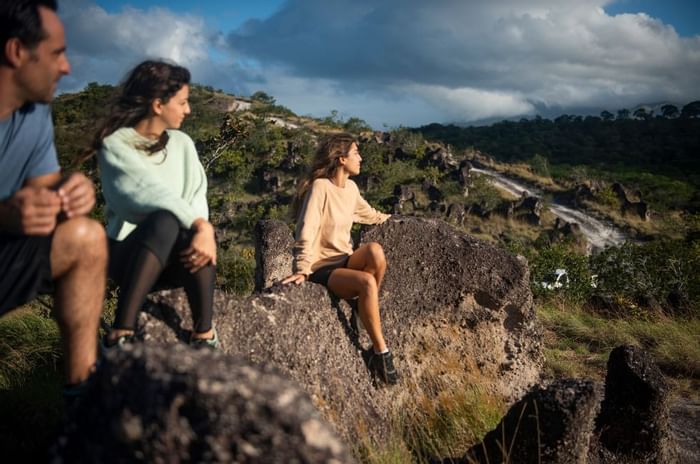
[325, 220]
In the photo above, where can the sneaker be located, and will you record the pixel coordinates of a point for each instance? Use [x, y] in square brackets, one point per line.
[211, 343]
[107, 345]
[73, 393]
[382, 365]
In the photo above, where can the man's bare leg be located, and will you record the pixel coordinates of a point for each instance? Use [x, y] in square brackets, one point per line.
[79, 268]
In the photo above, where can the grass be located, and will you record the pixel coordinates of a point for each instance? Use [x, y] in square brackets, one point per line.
[30, 384]
[435, 425]
[439, 421]
[578, 341]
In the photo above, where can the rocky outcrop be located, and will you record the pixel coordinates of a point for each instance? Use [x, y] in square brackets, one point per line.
[464, 176]
[272, 267]
[172, 403]
[440, 157]
[455, 214]
[629, 205]
[526, 208]
[433, 191]
[633, 422]
[403, 194]
[549, 425]
[454, 309]
[269, 181]
[566, 423]
[566, 231]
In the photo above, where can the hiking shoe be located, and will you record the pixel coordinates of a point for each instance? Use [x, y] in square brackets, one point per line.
[211, 343]
[74, 393]
[107, 345]
[382, 365]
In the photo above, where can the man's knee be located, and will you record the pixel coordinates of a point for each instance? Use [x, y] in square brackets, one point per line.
[80, 237]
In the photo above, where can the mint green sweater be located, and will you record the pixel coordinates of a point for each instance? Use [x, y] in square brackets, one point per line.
[135, 184]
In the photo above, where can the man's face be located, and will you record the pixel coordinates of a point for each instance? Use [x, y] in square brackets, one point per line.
[43, 66]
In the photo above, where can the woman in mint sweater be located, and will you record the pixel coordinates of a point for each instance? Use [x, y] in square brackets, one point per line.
[155, 192]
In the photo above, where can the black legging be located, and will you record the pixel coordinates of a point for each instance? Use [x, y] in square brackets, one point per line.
[150, 256]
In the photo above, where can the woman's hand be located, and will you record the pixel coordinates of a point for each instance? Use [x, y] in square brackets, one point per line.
[296, 278]
[202, 249]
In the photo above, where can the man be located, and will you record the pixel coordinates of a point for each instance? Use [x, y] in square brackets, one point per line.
[47, 244]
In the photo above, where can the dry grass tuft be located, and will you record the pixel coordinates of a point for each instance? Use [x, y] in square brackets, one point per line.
[579, 342]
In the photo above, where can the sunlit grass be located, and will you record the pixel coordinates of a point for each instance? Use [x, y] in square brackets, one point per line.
[580, 341]
[439, 420]
[30, 384]
[441, 427]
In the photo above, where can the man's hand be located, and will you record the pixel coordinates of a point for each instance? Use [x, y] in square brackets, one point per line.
[31, 211]
[77, 195]
[202, 249]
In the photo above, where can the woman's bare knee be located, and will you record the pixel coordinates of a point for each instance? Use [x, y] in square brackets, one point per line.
[367, 282]
[376, 255]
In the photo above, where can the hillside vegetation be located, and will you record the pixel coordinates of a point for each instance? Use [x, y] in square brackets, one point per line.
[646, 293]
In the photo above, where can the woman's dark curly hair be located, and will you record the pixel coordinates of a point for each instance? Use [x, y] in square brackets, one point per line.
[147, 82]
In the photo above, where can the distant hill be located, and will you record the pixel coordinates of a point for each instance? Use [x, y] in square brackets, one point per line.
[657, 144]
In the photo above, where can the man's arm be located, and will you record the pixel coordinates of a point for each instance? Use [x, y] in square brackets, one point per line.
[48, 181]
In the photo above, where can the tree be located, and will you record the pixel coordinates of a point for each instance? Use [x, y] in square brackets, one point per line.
[641, 113]
[624, 113]
[669, 111]
[263, 98]
[333, 120]
[691, 110]
[606, 115]
[356, 125]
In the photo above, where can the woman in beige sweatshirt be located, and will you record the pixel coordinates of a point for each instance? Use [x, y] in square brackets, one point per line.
[329, 204]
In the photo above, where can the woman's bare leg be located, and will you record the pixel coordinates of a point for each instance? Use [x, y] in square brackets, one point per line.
[362, 279]
[370, 258]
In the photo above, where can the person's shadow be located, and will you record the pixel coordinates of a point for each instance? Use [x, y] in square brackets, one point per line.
[352, 326]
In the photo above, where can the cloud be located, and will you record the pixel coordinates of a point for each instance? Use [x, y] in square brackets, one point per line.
[405, 62]
[480, 58]
[102, 47]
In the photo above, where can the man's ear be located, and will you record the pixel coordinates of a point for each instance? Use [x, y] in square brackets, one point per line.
[15, 52]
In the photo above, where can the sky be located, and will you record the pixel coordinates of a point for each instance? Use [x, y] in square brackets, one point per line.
[404, 62]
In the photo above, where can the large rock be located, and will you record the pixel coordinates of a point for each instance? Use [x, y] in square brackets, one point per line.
[455, 311]
[272, 267]
[551, 425]
[633, 423]
[557, 424]
[156, 403]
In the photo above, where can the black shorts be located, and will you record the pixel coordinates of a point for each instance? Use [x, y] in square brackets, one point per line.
[25, 267]
[322, 274]
[173, 274]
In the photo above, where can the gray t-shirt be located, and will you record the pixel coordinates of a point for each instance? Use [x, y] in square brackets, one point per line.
[26, 148]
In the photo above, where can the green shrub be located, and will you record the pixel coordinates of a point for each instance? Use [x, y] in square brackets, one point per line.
[607, 197]
[30, 384]
[483, 193]
[236, 271]
[666, 272]
[540, 165]
[560, 256]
